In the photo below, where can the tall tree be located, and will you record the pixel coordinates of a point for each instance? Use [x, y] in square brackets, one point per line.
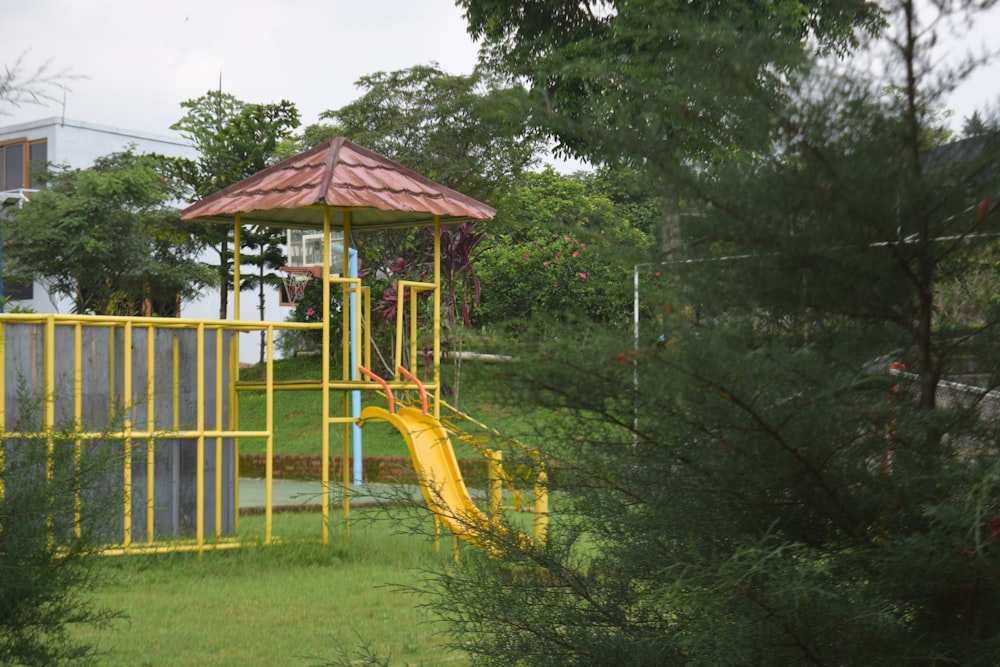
[108, 238]
[642, 81]
[597, 69]
[235, 139]
[773, 470]
[268, 258]
[467, 132]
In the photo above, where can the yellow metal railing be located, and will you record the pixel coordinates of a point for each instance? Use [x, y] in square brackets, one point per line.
[122, 421]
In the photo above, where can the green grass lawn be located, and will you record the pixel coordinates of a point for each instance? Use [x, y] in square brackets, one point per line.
[287, 604]
[296, 602]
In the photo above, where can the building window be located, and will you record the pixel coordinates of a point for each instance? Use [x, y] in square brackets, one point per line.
[22, 164]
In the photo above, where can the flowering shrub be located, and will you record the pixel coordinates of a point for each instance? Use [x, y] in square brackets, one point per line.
[554, 276]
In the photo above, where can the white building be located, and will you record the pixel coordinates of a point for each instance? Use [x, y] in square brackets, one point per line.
[77, 144]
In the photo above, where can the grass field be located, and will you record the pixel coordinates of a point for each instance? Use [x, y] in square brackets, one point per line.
[294, 603]
[289, 604]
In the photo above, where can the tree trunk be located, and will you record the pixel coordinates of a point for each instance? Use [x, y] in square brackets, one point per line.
[224, 284]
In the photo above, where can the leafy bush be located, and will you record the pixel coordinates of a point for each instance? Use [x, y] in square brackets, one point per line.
[557, 276]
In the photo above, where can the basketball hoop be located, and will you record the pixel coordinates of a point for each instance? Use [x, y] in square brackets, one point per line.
[296, 279]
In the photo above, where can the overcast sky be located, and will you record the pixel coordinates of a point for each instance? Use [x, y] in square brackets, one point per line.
[142, 58]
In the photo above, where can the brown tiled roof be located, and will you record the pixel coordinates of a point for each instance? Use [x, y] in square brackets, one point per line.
[338, 176]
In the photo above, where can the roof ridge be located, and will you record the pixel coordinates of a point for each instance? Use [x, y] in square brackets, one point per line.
[330, 167]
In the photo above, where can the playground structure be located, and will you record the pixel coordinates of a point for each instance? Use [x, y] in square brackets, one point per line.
[175, 382]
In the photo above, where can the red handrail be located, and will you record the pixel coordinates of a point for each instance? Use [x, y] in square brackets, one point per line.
[385, 387]
[420, 388]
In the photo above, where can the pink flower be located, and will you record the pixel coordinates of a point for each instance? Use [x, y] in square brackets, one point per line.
[583, 276]
[545, 263]
[527, 255]
[310, 312]
[576, 253]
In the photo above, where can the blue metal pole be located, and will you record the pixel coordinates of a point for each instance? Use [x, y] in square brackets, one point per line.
[356, 393]
[357, 468]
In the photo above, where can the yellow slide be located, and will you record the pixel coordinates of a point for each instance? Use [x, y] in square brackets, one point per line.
[438, 471]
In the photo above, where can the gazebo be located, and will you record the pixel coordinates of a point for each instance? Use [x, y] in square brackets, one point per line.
[338, 186]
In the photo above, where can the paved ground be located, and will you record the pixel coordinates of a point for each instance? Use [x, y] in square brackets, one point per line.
[288, 494]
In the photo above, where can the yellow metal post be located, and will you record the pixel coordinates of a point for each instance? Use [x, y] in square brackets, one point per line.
[494, 461]
[269, 427]
[541, 507]
[219, 427]
[177, 383]
[234, 424]
[437, 317]
[234, 378]
[366, 292]
[77, 422]
[127, 427]
[49, 389]
[200, 428]
[325, 401]
[150, 428]
[414, 360]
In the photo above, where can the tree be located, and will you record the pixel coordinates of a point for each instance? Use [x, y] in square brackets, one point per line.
[20, 85]
[641, 81]
[235, 139]
[550, 257]
[48, 558]
[107, 238]
[466, 132]
[269, 258]
[596, 70]
[776, 473]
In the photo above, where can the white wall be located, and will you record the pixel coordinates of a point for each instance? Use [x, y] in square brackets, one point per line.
[77, 144]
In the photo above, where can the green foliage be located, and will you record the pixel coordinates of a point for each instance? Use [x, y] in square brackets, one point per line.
[743, 480]
[621, 79]
[107, 238]
[550, 255]
[47, 556]
[235, 139]
[467, 132]
[556, 277]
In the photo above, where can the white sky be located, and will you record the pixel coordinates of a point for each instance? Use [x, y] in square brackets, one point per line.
[143, 57]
